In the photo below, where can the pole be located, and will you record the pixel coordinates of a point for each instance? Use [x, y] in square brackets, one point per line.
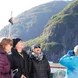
[9, 35]
[9, 31]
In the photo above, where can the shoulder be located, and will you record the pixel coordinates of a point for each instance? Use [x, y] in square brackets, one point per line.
[31, 56]
[10, 56]
[2, 55]
[69, 61]
[2, 51]
[25, 52]
[67, 57]
[44, 57]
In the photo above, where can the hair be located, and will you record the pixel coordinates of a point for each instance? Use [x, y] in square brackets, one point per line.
[4, 42]
[34, 46]
[76, 49]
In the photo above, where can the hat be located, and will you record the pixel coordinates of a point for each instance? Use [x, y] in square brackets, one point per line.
[34, 46]
[15, 41]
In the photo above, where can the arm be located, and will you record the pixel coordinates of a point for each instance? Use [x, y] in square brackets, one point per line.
[13, 64]
[30, 68]
[48, 70]
[68, 61]
[4, 66]
[48, 67]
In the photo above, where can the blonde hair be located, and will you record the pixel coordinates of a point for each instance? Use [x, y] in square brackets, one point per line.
[76, 49]
[4, 42]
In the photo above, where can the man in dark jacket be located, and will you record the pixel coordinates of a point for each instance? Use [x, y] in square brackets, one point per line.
[19, 59]
[38, 66]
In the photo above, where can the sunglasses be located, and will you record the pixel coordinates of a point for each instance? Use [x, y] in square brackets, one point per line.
[37, 47]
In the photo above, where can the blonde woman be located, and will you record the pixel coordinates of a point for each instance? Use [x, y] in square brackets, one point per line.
[19, 60]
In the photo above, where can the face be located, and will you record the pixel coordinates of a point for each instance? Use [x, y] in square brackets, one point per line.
[8, 48]
[76, 53]
[37, 50]
[20, 45]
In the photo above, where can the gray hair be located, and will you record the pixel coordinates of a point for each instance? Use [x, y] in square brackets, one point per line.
[76, 49]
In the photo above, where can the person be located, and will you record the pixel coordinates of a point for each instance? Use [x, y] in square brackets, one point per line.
[19, 59]
[5, 48]
[70, 61]
[38, 63]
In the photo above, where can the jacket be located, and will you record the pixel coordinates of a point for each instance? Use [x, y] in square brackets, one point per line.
[19, 63]
[39, 69]
[4, 65]
[71, 63]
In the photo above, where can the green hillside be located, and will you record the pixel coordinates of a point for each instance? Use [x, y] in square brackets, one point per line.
[60, 34]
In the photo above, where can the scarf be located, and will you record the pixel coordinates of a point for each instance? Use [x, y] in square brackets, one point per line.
[38, 57]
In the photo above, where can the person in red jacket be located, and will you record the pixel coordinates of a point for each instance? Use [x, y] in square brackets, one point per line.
[5, 47]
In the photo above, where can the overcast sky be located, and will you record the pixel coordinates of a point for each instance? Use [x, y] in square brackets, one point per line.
[17, 7]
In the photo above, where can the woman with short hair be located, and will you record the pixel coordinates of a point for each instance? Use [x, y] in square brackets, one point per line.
[38, 63]
[5, 48]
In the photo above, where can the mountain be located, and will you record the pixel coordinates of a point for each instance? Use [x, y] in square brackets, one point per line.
[60, 33]
[30, 24]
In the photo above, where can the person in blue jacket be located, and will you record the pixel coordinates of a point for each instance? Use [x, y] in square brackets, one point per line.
[70, 61]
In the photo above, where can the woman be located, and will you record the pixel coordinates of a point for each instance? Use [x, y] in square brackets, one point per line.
[5, 48]
[19, 59]
[38, 66]
[70, 61]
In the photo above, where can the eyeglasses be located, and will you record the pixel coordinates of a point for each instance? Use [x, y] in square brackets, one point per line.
[10, 44]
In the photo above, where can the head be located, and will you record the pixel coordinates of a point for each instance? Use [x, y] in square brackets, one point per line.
[36, 48]
[76, 50]
[18, 44]
[6, 44]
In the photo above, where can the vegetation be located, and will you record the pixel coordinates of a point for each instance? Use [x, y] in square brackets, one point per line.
[60, 33]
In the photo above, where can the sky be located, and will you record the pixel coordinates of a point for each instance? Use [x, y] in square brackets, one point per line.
[17, 7]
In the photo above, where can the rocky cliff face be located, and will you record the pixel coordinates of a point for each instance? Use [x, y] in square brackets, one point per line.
[60, 33]
[63, 29]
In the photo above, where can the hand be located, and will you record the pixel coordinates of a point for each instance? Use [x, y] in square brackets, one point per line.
[22, 76]
[70, 53]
